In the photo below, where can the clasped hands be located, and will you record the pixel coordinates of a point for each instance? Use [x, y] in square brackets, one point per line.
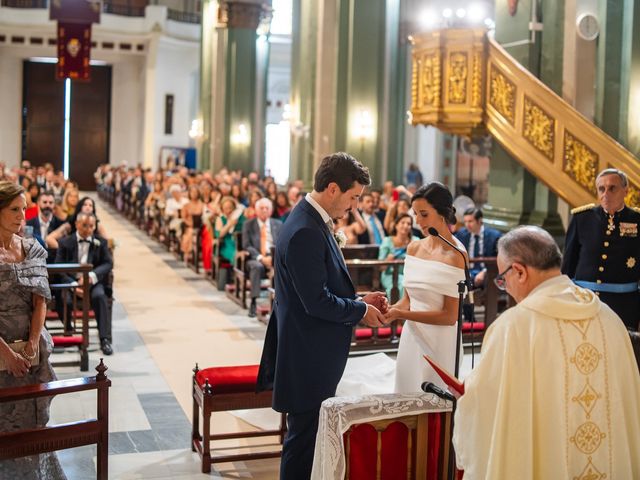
[377, 311]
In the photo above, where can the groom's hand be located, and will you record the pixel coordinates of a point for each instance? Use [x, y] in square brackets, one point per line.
[373, 317]
[378, 300]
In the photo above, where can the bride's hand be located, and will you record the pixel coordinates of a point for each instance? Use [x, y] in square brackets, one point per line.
[391, 315]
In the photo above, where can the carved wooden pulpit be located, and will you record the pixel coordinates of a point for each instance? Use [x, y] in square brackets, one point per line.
[74, 36]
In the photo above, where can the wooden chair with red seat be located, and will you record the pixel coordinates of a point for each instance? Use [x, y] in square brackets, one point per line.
[71, 335]
[221, 389]
[386, 436]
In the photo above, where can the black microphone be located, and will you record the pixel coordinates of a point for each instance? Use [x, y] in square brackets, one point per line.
[429, 387]
[434, 232]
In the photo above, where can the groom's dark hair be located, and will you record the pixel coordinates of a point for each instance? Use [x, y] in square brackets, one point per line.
[342, 169]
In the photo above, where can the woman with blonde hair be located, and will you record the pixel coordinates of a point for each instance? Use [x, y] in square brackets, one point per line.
[70, 201]
[25, 345]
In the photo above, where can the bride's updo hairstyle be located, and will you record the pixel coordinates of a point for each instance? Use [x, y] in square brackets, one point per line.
[440, 198]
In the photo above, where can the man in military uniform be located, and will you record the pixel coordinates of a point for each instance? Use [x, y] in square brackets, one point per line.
[602, 248]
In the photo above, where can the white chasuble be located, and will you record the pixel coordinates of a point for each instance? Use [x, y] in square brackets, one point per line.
[556, 394]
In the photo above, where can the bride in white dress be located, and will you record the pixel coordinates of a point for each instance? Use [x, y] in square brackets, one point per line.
[430, 304]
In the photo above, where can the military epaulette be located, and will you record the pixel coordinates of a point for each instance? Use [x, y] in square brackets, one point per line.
[583, 208]
[635, 209]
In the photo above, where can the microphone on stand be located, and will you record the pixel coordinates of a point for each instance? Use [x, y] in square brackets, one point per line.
[434, 232]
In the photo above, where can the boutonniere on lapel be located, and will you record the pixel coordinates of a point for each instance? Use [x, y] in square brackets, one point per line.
[95, 242]
[341, 238]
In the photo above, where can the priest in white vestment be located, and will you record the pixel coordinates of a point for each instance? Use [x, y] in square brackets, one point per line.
[556, 394]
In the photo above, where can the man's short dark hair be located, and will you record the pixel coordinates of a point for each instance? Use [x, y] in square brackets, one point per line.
[340, 168]
[47, 193]
[476, 212]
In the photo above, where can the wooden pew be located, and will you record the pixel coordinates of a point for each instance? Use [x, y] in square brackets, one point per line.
[376, 339]
[71, 336]
[361, 277]
[489, 303]
[20, 443]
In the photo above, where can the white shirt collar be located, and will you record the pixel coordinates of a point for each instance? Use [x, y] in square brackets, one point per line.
[260, 222]
[323, 213]
[78, 237]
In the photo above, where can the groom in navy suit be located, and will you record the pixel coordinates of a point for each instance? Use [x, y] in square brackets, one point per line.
[315, 309]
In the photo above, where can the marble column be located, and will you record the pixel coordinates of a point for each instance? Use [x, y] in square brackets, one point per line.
[233, 84]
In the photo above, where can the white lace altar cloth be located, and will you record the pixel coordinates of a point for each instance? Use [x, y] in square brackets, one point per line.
[339, 413]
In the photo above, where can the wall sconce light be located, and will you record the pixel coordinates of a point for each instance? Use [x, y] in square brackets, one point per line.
[300, 130]
[241, 136]
[286, 112]
[196, 131]
[364, 126]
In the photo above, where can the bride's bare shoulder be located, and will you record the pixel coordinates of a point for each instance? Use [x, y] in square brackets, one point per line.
[413, 248]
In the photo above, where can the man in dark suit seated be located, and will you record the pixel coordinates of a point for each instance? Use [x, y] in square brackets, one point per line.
[85, 247]
[258, 236]
[480, 241]
[45, 222]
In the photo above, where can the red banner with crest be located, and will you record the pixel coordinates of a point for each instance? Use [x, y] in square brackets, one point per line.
[74, 51]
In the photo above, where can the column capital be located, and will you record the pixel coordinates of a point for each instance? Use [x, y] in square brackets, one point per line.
[243, 14]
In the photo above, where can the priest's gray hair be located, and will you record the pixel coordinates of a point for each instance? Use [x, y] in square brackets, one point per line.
[531, 246]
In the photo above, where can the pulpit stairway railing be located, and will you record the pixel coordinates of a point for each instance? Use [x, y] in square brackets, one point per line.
[465, 83]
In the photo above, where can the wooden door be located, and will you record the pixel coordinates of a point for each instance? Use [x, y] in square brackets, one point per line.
[89, 134]
[42, 115]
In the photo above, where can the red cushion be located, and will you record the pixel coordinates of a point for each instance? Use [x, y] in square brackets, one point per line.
[383, 332]
[53, 315]
[70, 341]
[477, 327]
[230, 379]
[363, 333]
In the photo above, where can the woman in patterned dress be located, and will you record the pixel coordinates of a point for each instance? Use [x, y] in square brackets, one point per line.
[24, 290]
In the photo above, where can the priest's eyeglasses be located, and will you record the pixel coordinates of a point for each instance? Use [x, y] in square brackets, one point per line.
[500, 282]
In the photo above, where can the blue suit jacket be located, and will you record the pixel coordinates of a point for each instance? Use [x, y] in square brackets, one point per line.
[489, 248]
[314, 312]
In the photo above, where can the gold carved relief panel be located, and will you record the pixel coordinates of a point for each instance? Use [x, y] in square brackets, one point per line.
[633, 197]
[476, 80]
[457, 77]
[430, 80]
[502, 95]
[580, 162]
[538, 128]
